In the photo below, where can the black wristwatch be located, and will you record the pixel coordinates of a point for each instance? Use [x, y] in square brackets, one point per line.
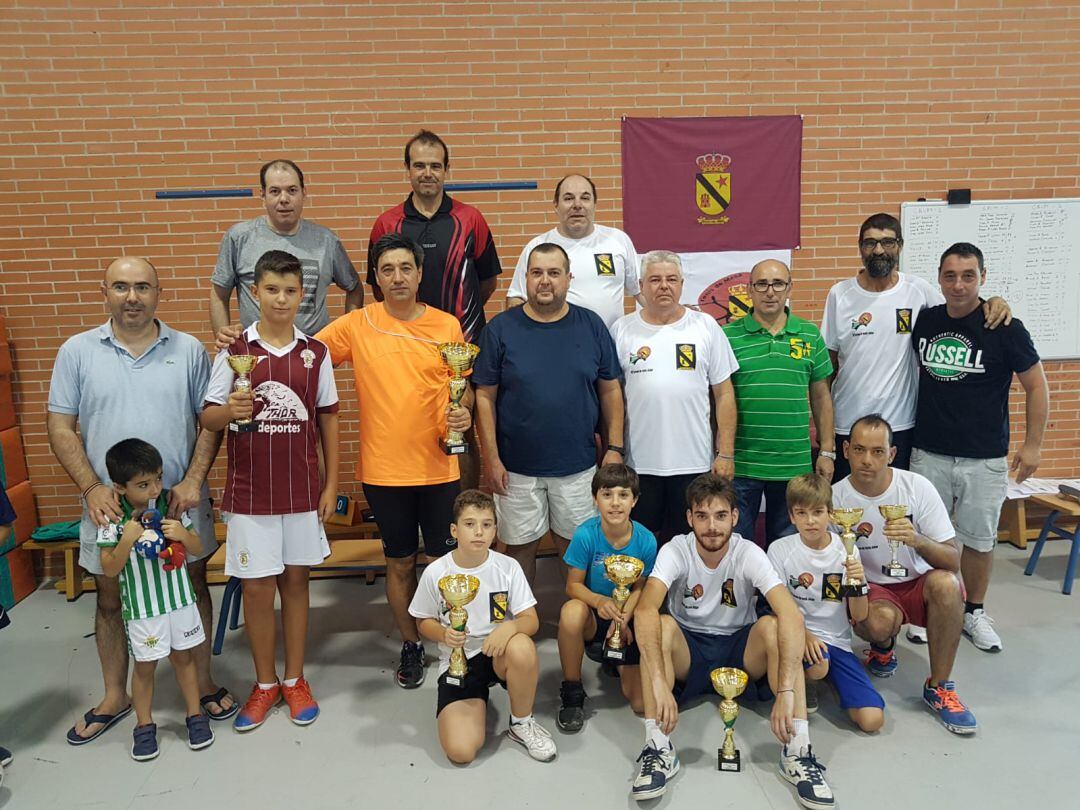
[618, 448]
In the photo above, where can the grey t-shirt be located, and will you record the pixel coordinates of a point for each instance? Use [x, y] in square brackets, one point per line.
[319, 251]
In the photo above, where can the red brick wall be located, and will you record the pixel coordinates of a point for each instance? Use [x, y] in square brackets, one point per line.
[105, 103]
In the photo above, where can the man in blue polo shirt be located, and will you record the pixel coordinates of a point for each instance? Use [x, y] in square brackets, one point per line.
[546, 372]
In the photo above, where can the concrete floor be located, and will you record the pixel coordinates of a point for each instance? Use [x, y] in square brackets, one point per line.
[375, 745]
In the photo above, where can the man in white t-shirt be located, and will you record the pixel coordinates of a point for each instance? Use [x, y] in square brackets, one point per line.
[709, 577]
[867, 329]
[922, 588]
[673, 360]
[603, 263]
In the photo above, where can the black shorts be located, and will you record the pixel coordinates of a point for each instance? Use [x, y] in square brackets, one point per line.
[401, 511]
[632, 655]
[477, 683]
[662, 506]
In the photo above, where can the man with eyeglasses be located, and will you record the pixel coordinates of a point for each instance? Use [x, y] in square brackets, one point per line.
[675, 362]
[134, 377]
[782, 378]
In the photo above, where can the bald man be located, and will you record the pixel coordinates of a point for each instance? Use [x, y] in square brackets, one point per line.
[133, 376]
[782, 379]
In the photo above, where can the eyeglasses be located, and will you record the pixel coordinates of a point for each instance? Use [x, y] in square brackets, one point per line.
[122, 289]
[765, 286]
[887, 243]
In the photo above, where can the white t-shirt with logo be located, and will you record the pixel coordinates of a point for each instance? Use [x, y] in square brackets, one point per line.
[871, 333]
[604, 266]
[718, 602]
[926, 511]
[814, 579]
[667, 372]
[504, 592]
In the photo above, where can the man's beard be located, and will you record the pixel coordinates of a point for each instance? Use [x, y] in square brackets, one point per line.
[880, 266]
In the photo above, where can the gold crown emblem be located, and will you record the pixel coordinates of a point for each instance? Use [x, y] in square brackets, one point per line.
[713, 163]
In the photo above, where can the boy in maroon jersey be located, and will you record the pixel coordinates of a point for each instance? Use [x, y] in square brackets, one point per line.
[274, 504]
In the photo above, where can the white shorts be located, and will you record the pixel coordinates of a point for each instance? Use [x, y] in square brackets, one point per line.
[154, 638]
[262, 545]
[531, 506]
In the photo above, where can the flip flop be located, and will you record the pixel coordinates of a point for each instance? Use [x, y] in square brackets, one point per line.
[224, 714]
[109, 720]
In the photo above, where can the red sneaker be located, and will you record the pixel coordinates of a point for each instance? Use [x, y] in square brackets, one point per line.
[258, 705]
[303, 709]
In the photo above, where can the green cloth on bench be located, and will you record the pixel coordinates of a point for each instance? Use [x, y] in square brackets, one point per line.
[52, 532]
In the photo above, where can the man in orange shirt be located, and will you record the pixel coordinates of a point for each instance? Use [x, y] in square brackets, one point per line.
[404, 403]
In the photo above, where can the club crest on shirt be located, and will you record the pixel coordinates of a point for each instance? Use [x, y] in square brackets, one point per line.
[903, 321]
[605, 264]
[308, 356]
[691, 595]
[830, 587]
[685, 356]
[727, 593]
[499, 601]
[803, 580]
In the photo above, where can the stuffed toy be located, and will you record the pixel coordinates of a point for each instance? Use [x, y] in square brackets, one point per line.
[153, 542]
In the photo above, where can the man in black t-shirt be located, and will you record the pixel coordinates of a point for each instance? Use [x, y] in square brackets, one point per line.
[961, 440]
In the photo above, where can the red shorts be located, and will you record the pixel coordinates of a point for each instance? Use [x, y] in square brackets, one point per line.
[908, 596]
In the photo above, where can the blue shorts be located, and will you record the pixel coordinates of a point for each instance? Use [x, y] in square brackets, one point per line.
[848, 677]
[707, 652]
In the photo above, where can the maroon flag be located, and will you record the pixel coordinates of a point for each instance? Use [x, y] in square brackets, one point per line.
[701, 185]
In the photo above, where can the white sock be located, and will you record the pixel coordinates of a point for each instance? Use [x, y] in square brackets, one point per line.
[266, 687]
[653, 734]
[518, 720]
[290, 682]
[799, 744]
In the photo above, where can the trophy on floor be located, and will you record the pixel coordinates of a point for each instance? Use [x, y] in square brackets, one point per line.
[242, 364]
[457, 591]
[729, 683]
[624, 571]
[458, 358]
[845, 519]
[894, 568]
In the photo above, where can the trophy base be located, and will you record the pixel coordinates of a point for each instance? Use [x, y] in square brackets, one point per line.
[852, 591]
[453, 449]
[614, 655]
[454, 680]
[898, 572]
[246, 427]
[724, 764]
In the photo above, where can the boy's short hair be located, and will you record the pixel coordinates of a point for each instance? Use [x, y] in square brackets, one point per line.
[131, 457]
[616, 475]
[279, 262]
[809, 491]
[475, 498]
[708, 486]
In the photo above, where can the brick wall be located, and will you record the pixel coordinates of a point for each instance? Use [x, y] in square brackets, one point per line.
[105, 103]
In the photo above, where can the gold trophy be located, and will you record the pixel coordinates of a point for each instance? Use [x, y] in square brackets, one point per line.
[458, 358]
[894, 568]
[624, 571]
[242, 364]
[730, 683]
[457, 591]
[845, 519]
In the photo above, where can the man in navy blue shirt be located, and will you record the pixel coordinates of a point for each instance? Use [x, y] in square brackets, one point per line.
[546, 373]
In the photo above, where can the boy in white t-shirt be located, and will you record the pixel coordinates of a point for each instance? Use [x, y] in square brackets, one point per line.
[497, 639]
[813, 563]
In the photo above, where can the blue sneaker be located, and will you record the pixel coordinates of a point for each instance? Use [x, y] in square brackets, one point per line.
[657, 767]
[945, 703]
[5, 757]
[199, 733]
[145, 745]
[881, 663]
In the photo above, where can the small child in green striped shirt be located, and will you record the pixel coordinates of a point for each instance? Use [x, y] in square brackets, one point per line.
[158, 606]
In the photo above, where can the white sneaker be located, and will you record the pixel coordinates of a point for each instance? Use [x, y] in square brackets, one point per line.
[535, 738]
[808, 776]
[916, 634]
[979, 627]
[657, 767]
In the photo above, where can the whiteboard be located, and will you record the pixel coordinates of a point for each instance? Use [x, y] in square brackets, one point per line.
[1032, 253]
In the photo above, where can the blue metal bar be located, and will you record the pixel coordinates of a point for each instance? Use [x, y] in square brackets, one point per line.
[199, 194]
[516, 185]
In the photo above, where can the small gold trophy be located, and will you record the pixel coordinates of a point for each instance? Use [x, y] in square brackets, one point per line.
[894, 568]
[845, 519]
[242, 364]
[624, 571]
[458, 358]
[457, 591]
[729, 683]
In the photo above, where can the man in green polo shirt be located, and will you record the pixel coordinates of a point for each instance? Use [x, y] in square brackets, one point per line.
[782, 378]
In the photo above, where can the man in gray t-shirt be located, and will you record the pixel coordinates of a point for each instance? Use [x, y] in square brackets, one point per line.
[283, 228]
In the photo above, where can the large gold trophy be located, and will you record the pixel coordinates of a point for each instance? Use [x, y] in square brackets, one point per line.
[458, 358]
[845, 519]
[457, 591]
[729, 683]
[896, 511]
[624, 571]
[242, 365]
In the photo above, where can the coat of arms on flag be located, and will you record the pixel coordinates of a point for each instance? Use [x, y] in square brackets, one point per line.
[713, 188]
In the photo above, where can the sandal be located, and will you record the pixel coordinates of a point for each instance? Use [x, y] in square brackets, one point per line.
[107, 721]
[224, 714]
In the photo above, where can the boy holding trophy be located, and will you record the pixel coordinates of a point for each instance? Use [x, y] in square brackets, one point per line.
[600, 547]
[489, 642]
[274, 503]
[829, 586]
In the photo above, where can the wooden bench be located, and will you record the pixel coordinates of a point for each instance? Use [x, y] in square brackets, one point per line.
[1062, 511]
[74, 581]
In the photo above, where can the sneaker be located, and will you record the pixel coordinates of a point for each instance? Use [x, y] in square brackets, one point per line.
[657, 768]
[808, 777]
[811, 697]
[258, 705]
[199, 733]
[144, 745]
[881, 663]
[915, 634]
[571, 715]
[410, 671]
[5, 757]
[979, 627]
[945, 703]
[303, 710]
[535, 738]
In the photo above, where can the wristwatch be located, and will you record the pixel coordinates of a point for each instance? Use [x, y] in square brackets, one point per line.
[829, 454]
